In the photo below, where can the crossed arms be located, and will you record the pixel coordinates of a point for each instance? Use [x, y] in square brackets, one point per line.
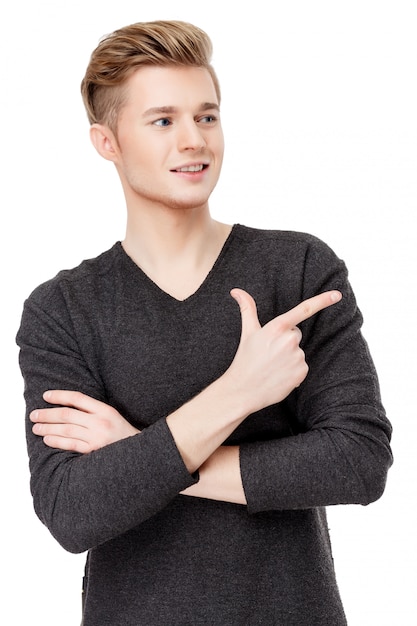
[268, 365]
[102, 476]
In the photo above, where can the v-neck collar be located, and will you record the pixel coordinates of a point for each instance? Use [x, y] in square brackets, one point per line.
[139, 273]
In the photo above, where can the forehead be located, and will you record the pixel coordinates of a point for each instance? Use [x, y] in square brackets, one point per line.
[154, 86]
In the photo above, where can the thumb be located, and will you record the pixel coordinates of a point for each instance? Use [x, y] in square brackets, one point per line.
[248, 311]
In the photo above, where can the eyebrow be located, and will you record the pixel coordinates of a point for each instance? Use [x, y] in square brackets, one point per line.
[169, 110]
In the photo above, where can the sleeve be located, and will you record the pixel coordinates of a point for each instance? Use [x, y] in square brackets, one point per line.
[85, 500]
[340, 453]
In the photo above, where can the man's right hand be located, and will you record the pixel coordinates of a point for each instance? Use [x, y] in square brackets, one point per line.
[269, 362]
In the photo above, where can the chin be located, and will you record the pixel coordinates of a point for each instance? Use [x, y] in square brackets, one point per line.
[187, 204]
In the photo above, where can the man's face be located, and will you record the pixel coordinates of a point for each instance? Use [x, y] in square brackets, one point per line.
[170, 140]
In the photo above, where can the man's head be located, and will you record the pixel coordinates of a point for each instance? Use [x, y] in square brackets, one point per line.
[120, 54]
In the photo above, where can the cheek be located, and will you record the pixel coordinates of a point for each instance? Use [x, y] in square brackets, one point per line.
[135, 155]
[220, 145]
[220, 150]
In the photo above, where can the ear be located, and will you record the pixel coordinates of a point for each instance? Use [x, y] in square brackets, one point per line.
[104, 141]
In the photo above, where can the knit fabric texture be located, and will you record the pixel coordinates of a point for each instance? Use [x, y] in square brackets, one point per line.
[155, 557]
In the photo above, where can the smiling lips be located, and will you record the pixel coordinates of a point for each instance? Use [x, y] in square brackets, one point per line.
[192, 168]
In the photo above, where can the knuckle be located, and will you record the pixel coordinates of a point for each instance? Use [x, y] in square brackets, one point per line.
[302, 372]
[67, 431]
[66, 414]
[307, 309]
[295, 337]
[279, 326]
[106, 424]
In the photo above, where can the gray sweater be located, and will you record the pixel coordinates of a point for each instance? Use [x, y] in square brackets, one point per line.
[159, 558]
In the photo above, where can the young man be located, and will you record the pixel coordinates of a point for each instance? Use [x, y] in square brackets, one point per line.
[197, 394]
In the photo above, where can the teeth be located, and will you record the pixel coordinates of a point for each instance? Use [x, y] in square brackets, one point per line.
[191, 168]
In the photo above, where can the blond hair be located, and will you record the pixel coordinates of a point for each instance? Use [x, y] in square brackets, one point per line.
[120, 54]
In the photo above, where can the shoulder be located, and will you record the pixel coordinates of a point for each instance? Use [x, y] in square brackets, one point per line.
[285, 243]
[284, 237]
[297, 264]
[86, 276]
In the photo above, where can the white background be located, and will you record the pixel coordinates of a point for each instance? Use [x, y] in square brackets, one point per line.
[319, 112]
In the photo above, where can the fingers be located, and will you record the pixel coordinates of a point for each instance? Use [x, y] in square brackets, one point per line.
[72, 409]
[69, 432]
[288, 320]
[64, 428]
[74, 399]
[64, 443]
[59, 415]
[248, 311]
[307, 309]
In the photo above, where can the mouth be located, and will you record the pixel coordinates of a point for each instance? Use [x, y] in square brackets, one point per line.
[197, 167]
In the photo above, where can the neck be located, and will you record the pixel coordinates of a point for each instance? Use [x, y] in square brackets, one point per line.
[165, 234]
[176, 248]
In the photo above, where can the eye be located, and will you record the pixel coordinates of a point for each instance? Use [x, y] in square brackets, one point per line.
[163, 121]
[208, 119]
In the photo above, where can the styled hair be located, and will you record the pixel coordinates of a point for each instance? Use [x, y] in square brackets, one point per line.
[118, 55]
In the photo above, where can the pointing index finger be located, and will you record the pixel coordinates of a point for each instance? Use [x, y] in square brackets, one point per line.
[309, 307]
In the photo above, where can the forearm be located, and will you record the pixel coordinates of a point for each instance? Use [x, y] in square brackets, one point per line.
[201, 425]
[220, 477]
[322, 467]
[88, 499]
[121, 479]
[325, 466]
[267, 366]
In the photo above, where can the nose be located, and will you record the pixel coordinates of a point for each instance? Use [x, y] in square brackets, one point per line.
[190, 136]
